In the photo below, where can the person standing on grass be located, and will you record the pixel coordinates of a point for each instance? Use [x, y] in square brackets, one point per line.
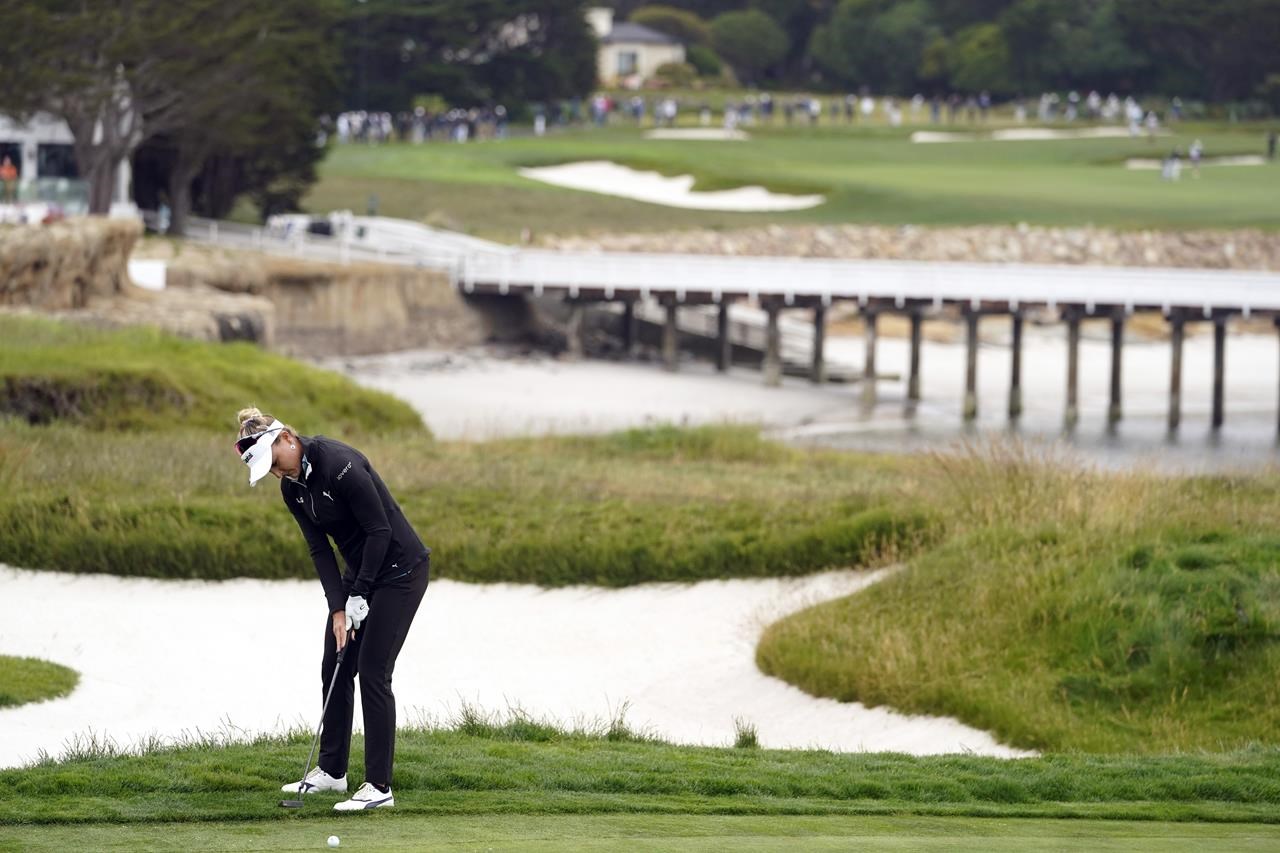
[334, 493]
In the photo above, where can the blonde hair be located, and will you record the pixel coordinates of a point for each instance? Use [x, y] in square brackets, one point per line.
[254, 420]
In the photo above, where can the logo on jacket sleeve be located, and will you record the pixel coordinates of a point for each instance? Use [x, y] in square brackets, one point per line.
[344, 471]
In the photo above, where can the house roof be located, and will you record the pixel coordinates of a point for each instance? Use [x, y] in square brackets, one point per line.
[629, 33]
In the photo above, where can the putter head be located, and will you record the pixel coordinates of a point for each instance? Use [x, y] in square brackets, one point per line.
[291, 804]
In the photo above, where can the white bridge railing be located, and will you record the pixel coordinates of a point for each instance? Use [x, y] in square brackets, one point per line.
[1204, 290]
[474, 263]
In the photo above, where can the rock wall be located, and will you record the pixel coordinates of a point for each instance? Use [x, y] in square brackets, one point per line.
[325, 309]
[65, 265]
[1246, 250]
[78, 269]
[321, 309]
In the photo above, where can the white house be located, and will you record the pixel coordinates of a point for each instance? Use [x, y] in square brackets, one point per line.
[630, 53]
[42, 151]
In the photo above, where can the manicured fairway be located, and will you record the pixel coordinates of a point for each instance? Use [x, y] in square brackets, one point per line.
[567, 833]
[868, 175]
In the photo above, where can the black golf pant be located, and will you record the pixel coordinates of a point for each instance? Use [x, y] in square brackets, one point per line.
[371, 655]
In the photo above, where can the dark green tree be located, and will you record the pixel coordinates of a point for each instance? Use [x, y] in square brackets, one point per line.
[1057, 44]
[677, 23]
[466, 51]
[980, 60]
[878, 43]
[751, 42]
[121, 71]
[284, 80]
[797, 19]
[1218, 51]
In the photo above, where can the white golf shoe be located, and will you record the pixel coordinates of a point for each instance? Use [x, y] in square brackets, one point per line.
[366, 797]
[317, 780]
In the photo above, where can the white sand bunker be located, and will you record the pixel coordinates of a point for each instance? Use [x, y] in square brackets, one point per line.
[1153, 164]
[602, 176]
[679, 657]
[699, 134]
[1022, 134]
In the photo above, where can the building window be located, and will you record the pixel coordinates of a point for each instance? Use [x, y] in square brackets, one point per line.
[56, 161]
[12, 150]
[628, 62]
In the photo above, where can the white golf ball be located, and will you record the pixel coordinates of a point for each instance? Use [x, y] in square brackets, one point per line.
[333, 841]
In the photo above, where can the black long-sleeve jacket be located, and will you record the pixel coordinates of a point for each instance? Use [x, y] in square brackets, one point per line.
[339, 495]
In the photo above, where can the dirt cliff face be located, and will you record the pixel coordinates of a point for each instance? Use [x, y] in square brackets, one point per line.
[66, 265]
[320, 309]
[78, 270]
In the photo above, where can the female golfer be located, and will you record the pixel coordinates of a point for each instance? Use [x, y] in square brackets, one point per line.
[333, 492]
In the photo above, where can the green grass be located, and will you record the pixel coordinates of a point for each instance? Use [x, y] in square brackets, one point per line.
[24, 680]
[641, 506]
[1068, 611]
[124, 485]
[521, 766]
[869, 176]
[646, 832]
[143, 379]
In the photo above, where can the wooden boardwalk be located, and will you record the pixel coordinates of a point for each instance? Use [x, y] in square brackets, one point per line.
[917, 290]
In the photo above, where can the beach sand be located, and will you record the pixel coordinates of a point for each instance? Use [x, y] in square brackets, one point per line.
[606, 178]
[243, 656]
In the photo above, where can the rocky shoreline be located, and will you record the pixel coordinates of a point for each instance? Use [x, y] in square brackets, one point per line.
[1240, 249]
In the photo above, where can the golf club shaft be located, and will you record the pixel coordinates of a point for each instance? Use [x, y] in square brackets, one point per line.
[333, 680]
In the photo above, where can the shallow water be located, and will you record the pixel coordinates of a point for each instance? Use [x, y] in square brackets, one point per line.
[1141, 439]
[475, 396]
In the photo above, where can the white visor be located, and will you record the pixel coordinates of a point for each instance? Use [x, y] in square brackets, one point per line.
[258, 457]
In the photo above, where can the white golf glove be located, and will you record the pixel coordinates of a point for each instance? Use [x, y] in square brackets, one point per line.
[357, 610]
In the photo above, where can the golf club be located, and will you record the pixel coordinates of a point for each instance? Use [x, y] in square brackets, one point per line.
[342, 652]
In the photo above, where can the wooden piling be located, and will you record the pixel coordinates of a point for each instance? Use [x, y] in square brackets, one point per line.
[971, 366]
[574, 330]
[1277, 322]
[1015, 378]
[913, 380]
[630, 338]
[869, 359]
[670, 335]
[1073, 368]
[772, 346]
[1117, 346]
[1219, 367]
[1177, 329]
[818, 370]
[724, 347]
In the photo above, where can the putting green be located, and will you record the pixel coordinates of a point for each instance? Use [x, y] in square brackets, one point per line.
[569, 833]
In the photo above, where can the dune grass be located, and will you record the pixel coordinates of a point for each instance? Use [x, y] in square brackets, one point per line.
[641, 506]
[130, 484]
[1068, 610]
[143, 379]
[869, 175]
[24, 680]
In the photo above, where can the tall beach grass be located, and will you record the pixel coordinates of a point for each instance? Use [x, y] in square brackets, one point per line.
[1067, 609]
